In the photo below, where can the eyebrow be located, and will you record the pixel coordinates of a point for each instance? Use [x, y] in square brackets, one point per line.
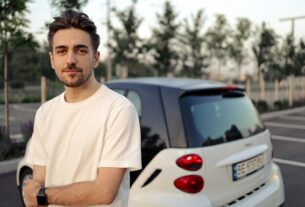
[74, 47]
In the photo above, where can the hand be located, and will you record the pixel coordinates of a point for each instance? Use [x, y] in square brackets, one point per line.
[29, 192]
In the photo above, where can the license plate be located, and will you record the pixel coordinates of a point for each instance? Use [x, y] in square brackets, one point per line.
[247, 167]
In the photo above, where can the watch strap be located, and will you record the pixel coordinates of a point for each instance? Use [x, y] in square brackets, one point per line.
[42, 199]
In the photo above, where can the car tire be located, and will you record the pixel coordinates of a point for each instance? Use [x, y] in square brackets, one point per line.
[26, 174]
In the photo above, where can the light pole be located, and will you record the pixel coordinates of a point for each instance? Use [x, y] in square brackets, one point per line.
[292, 19]
[291, 78]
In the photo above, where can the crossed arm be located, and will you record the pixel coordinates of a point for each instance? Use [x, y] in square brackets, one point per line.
[103, 190]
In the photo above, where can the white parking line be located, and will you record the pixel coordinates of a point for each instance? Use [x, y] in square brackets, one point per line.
[289, 162]
[290, 139]
[282, 125]
[295, 118]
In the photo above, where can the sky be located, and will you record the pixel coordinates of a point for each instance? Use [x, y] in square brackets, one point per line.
[258, 11]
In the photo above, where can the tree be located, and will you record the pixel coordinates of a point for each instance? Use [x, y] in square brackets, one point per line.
[23, 59]
[192, 39]
[288, 53]
[126, 46]
[276, 70]
[62, 5]
[12, 15]
[299, 59]
[263, 48]
[237, 49]
[164, 41]
[217, 38]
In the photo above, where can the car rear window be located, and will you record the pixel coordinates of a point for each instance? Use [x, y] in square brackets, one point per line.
[218, 118]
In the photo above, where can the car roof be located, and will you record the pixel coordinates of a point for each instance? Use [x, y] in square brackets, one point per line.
[180, 83]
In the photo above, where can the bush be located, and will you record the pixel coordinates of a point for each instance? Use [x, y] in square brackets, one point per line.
[280, 105]
[30, 99]
[298, 103]
[9, 150]
[27, 131]
[6, 148]
[17, 85]
[262, 106]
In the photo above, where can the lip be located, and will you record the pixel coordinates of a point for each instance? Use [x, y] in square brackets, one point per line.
[72, 71]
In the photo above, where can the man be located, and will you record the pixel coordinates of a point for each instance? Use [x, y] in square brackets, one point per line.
[87, 139]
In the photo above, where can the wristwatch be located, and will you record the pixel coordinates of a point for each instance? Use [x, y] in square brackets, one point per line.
[42, 199]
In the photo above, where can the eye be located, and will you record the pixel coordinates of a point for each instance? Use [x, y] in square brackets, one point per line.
[61, 52]
[82, 51]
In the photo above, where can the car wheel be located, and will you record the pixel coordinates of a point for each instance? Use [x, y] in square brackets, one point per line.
[26, 174]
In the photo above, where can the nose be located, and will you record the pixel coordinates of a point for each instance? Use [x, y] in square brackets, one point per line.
[71, 59]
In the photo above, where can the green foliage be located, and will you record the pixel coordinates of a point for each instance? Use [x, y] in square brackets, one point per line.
[23, 62]
[62, 5]
[261, 106]
[280, 105]
[12, 25]
[240, 35]
[217, 38]
[127, 47]
[299, 58]
[17, 85]
[288, 60]
[12, 15]
[264, 48]
[9, 150]
[192, 46]
[27, 131]
[43, 63]
[164, 41]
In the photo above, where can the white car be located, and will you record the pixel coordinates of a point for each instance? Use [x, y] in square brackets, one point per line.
[203, 144]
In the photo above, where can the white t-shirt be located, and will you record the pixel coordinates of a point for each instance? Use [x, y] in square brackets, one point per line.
[74, 139]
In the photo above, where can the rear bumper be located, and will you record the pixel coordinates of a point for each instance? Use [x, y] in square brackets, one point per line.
[269, 195]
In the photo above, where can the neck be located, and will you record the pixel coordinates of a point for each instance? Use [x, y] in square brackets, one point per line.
[77, 94]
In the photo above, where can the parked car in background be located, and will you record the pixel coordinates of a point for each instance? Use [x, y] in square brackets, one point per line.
[203, 144]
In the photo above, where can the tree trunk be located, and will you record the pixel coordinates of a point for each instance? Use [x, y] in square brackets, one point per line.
[291, 86]
[43, 89]
[262, 86]
[6, 99]
[109, 67]
[276, 90]
[123, 71]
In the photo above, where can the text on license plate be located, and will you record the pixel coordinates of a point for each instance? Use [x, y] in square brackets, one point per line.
[247, 167]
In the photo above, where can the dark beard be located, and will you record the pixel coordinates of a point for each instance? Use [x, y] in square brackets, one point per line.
[78, 83]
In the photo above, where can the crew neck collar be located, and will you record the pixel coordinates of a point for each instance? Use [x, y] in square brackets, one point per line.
[80, 103]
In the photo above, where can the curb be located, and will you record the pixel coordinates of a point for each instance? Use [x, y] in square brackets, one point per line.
[9, 165]
[283, 112]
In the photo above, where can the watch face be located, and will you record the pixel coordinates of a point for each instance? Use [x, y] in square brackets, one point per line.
[42, 198]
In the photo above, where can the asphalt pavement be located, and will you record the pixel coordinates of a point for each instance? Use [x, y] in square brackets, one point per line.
[9, 194]
[288, 139]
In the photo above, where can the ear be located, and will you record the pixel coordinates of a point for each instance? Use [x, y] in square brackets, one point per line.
[51, 59]
[96, 59]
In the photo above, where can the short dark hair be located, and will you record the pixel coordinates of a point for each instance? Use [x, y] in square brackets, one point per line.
[74, 19]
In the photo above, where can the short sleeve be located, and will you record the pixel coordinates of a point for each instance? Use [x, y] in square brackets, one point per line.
[36, 153]
[122, 142]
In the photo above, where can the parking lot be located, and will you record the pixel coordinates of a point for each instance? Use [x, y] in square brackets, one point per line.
[288, 138]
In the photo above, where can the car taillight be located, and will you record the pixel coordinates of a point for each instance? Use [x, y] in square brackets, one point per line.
[191, 162]
[229, 87]
[190, 183]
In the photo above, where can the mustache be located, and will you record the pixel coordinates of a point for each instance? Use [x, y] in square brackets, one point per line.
[74, 68]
